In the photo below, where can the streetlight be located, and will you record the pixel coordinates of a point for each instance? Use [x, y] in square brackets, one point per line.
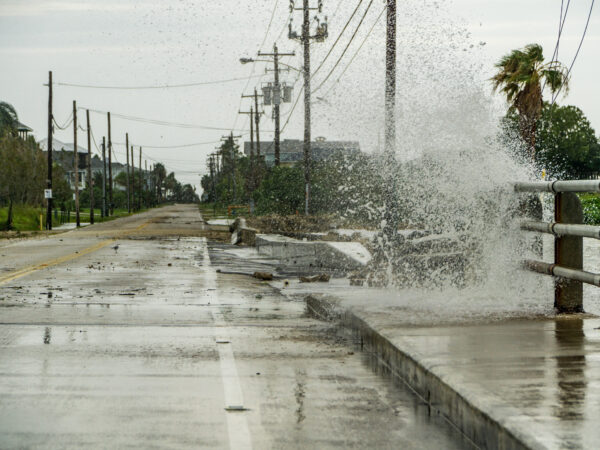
[251, 60]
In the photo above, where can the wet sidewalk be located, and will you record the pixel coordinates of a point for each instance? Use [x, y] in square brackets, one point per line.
[506, 384]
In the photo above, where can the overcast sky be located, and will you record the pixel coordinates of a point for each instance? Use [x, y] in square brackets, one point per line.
[150, 42]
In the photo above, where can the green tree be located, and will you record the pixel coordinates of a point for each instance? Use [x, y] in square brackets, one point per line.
[566, 144]
[281, 191]
[8, 118]
[519, 77]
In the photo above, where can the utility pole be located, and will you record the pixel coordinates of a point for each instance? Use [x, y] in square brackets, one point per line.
[305, 38]
[307, 155]
[252, 161]
[276, 98]
[132, 181]
[76, 164]
[49, 179]
[141, 185]
[103, 212]
[146, 177]
[127, 172]
[89, 166]
[391, 210]
[211, 167]
[257, 121]
[110, 178]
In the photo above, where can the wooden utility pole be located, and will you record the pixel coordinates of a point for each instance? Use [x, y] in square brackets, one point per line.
[306, 44]
[89, 166]
[49, 174]
[76, 165]
[257, 121]
[110, 178]
[305, 38]
[141, 177]
[256, 124]
[132, 181]
[127, 172]
[390, 82]
[276, 98]
[146, 178]
[391, 209]
[103, 212]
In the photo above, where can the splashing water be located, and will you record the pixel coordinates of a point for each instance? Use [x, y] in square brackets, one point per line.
[454, 173]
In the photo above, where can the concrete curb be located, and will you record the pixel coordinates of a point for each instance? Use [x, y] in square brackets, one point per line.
[475, 421]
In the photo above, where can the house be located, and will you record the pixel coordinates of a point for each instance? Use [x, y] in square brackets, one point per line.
[23, 130]
[292, 150]
[62, 154]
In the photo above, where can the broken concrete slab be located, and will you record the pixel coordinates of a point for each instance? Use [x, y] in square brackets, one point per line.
[337, 255]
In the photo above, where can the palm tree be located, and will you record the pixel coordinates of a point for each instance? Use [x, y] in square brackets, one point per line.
[520, 76]
[8, 117]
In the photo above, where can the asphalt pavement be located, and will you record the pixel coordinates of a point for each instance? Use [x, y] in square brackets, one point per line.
[123, 334]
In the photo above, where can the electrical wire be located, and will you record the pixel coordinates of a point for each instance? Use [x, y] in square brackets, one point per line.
[67, 122]
[165, 86]
[345, 49]
[338, 38]
[336, 9]
[587, 23]
[174, 146]
[160, 122]
[561, 24]
[254, 62]
[356, 53]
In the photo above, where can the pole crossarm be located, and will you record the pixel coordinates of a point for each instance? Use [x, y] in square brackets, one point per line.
[562, 229]
[559, 186]
[277, 54]
[563, 272]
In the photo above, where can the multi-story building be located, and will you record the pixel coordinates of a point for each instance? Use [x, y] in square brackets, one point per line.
[292, 151]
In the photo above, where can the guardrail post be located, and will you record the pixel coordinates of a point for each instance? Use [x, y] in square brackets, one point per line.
[568, 252]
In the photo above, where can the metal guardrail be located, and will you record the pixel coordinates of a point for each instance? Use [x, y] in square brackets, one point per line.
[559, 186]
[563, 229]
[568, 232]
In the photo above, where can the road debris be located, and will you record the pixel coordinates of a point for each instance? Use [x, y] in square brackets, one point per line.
[266, 276]
[316, 278]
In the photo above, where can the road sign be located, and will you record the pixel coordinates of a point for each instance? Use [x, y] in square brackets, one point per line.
[47, 193]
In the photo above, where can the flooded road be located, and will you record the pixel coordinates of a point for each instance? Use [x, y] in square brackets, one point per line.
[125, 335]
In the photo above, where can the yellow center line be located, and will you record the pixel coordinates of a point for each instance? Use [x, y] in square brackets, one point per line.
[53, 262]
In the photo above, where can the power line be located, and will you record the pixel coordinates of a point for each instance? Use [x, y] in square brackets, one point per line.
[68, 122]
[160, 122]
[173, 146]
[345, 49]
[561, 24]
[336, 9]
[164, 86]
[235, 121]
[587, 23]
[338, 38]
[357, 51]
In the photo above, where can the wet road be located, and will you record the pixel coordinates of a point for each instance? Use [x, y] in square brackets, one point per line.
[146, 345]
